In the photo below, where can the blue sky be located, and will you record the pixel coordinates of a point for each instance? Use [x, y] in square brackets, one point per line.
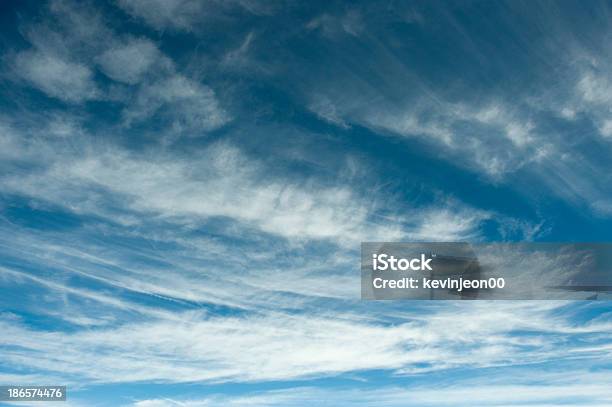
[184, 187]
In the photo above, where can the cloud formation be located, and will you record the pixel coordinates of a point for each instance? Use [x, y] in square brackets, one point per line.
[185, 186]
[281, 347]
[65, 80]
[128, 62]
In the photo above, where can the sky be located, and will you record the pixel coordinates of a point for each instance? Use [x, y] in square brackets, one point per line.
[184, 187]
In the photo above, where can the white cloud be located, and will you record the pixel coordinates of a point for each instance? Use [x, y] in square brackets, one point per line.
[187, 15]
[58, 78]
[490, 138]
[576, 388]
[128, 62]
[323, 107]
[222, 182]
[499, 138]
[606, 128]
[162, 194]
[107, 301]
[191, 107]
[70, 29]
[277, 346]
[449, 223]
[593, 87]
[593, 96]
[62, 44]
[61, 125]
[586, 92]
[351, 23]
[74, 39]
[178, 14]
[243, 59]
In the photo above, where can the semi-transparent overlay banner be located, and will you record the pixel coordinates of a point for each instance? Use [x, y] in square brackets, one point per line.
[486, 271]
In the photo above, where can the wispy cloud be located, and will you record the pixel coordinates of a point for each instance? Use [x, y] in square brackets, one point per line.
[497, 133]
[187, 15]
[222, 182]
[201, 348]
[582, 389]
[128, 62]
[69, 81]
[185, 186]
[192, 107]
[70, 44]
